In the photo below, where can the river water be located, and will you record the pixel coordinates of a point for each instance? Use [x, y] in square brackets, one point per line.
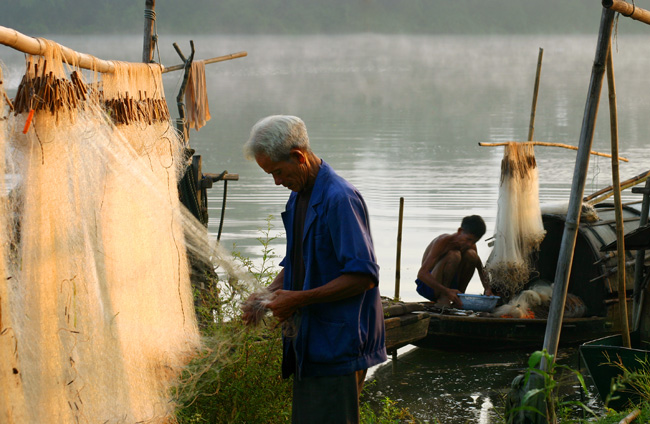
[402, 116]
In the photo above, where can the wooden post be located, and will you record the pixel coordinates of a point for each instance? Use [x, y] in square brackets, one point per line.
[149, 21]
[533, 109]
[620, 233]
[565, 258]
[399, 247]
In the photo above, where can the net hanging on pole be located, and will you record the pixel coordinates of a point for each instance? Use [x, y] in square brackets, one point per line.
[519, 229]
[96, 298]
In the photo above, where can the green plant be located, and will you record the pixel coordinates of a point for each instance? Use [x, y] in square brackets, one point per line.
[388, 413]
[235, 378]
[534, 398]
[635, 381]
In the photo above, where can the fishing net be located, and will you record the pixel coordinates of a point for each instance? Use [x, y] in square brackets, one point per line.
[196, 97]
[12, 402]
[519, 229]
[96, 302]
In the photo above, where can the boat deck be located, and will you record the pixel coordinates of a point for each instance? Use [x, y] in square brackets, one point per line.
[426, 326]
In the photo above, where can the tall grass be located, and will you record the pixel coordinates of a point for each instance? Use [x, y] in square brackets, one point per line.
[236, 377]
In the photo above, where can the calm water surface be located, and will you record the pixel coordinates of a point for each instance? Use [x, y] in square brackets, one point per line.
[402, 116]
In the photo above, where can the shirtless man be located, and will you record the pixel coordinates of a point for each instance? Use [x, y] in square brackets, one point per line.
[449, 262]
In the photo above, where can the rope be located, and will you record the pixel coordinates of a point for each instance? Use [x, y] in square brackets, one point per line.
[151, 15]
[633, 10]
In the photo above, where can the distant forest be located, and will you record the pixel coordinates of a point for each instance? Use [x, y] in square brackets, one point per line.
[42, 17]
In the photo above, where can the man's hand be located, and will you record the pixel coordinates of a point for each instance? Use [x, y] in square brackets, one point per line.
[452, 295]
[284, 303]
[255, 307]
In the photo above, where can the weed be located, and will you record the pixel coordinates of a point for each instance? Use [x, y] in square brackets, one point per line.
[533, 397]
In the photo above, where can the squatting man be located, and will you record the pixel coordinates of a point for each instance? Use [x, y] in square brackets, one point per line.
[448, 264]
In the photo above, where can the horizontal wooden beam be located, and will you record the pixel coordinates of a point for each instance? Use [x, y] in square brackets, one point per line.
[208, 61]
[34, 46]
[30, 45]
[628, 10]
[547, 144]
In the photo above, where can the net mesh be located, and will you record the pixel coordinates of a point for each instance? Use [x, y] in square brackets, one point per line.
[97, 311]
[519, 229]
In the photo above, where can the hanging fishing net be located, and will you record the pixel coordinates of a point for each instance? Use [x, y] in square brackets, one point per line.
[96, 303]
[519, 229]
[12, 401]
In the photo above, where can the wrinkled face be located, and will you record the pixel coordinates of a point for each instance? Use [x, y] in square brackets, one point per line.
[291, 174]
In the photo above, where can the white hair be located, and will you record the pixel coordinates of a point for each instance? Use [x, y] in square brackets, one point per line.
[275, 136]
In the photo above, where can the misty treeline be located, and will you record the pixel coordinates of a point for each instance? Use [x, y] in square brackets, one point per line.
[42, 17]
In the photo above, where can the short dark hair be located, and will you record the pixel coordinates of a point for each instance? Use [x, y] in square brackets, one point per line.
[473, 224]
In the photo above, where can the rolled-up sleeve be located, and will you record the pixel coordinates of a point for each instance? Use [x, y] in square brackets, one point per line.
[350, 231]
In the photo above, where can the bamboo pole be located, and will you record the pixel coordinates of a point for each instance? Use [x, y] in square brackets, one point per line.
[624, 185]
[30, 45]
[533, 109]
[620, 233]
[149, 22]
[628, 10]
[630, 417]
[565, 257]
[399, 247]
[208, 61]
[547, 144]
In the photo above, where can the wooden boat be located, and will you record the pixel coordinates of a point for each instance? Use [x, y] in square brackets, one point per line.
[403, 325]
[593, 279]
[455, 329]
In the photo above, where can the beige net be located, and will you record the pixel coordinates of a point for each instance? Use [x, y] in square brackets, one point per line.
[100, 309]
[519, 229]
[196, 96]
[12, 401]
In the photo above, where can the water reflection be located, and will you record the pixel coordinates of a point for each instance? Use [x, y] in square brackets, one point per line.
[459, 387]
[399, 116]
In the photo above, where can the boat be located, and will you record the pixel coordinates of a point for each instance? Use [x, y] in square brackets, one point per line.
[604, 358]
[593, 280]
[462, 330]
[403, 324]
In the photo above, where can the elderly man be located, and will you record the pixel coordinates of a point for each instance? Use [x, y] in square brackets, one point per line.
[328, 284]
[449, 261]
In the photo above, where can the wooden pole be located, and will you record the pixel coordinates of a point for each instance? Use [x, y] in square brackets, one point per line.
[630, 417]
[620, 233]
[596, 195]
[547, 144]
[208, 61]
[628, 10]
[533, 109]
[30, 45]
[565, 258]
[149, 21]
[399, 247]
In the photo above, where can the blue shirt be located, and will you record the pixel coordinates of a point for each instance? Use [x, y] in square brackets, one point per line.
[335, 338]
